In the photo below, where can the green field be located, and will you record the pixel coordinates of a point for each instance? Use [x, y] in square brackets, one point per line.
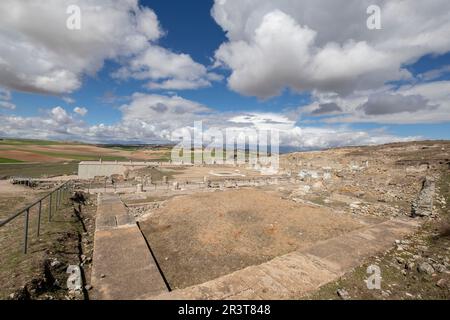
[123, 148]
[21, 150]
[6, 160]
[79, 157]
[38, 170]
[32, 142]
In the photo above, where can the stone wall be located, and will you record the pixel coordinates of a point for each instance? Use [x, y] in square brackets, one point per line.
[91, 169]
[422, 206]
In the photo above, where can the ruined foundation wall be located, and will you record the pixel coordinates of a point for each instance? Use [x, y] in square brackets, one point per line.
[91, 170]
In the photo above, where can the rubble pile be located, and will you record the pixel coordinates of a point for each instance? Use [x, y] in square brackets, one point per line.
[389, 180]
[423, 205]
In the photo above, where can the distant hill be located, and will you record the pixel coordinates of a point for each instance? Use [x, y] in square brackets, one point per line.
[45, 151]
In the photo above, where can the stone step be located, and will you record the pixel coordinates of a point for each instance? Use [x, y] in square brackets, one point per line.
[123, 267]
[296, 274]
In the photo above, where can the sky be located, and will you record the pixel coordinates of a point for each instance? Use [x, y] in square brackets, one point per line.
[146, 71]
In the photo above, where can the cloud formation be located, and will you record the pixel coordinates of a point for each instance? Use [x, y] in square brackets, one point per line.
[271, 46]
[274, 45]
[394, 103]
[409, 104]
[166, 70]
[39, 54]
[326, 108]
[5, 99]
[150, 118]
[81, 111]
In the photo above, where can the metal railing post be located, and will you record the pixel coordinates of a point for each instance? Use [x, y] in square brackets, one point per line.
[53, 203]
[50, 208]
[25, 237]
[39, 219]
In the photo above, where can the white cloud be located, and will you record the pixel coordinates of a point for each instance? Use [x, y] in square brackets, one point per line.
[166, 70]
[5, 94]
[60, 116]
[7, 105]
[154, 118]
[264, 121]
[326, 108]
[314, 137]
[409, 104]
[434, 73]
[39, 54]
[325, 45]
[309, 137]
[179, 84]
[160, 108]
[389, 103]
[55, 123]
[68, 100]
[5, 97]
[81, 111]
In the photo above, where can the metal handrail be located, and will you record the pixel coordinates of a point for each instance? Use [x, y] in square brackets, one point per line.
[26, 211]
[18, 213]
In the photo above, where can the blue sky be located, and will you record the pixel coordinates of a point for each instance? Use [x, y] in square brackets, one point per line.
[269, 61]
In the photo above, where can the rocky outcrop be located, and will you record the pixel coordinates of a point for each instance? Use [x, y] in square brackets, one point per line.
[422, 206]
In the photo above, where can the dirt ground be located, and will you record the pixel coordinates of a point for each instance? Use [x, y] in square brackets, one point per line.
[213, 173]
[41, 273]
[30, 151]
[14, 197]
[402, 277]
[197, 237]
[38, 170]
[27, 156]
[201, 237]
